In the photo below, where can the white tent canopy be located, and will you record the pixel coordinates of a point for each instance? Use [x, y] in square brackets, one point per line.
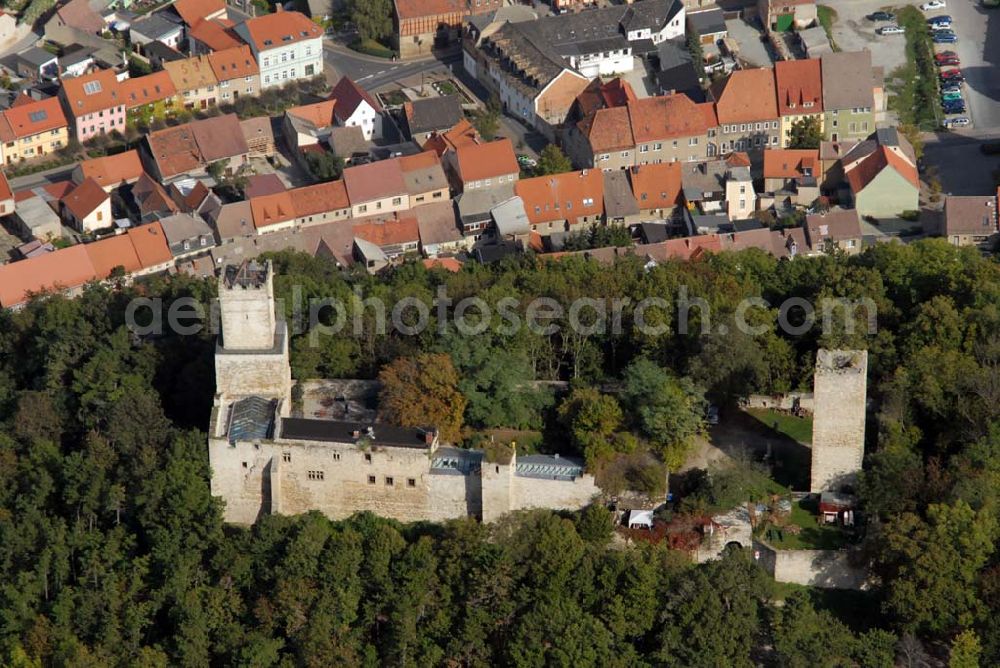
[640, 518]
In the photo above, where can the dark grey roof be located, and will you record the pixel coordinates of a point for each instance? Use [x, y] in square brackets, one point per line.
[78, 54]
[650, 14]
[672, 52]
[160, 50]
[654, 233]
[642, 47]
[339, 431]
[36, 56]
[495, 252]
[474, 206]
[549, 467]
[456, 461]
[747, 224]
[848, 81]
[681, 79]
[533, 63]
[887, 136]
[154, 26]
[708, 22]
[712, 222]
[579, 33]
[251, 418]
[619, 201]
[434, 113]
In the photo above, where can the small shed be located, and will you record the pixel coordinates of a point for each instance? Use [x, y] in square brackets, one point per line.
[834, 507]
[639, 519]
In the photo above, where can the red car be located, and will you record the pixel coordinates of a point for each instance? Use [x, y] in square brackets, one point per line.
[944, 55]
[952, 75]
[946, 62]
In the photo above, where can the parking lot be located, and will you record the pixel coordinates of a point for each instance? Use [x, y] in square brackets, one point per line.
[853, 32]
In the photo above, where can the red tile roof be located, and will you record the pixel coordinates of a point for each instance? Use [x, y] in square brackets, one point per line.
[376, 180]
[485, 161]
[113, 170]
[272, 209]
[668, 116]
[788, 163]
[29, 117]
[61, 269]
[656, 186]
[562, 196]
[320, 114]
[599, 95]
[147, 89]
[388, 232]
[413, 9]
[608, 130]
[320, 198]
[111, 252]
[277, 30]
[461, 134]
[234, 63]
[5, 191]
[349, 95]
[865, 171]
[214, 35]
[747, 95]
[447, 263]
[85, 198]
[194, 11]
[799, 86]
[93, 92]
[150, 245]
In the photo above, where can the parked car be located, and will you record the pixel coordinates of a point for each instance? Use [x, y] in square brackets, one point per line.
[940, 27]
[932, 5]
[952, 75]
[940, 32]
[954, 108]
[934, 20]
[949, 62]
[526, 161]
[951, 89]
[951, 98]
[944, 38]
[945, 54]
[960, 122]
[881, 16]
[891, 29]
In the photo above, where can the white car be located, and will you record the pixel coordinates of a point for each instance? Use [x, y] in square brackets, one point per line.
[891, 29]
[959, 122]
[933, 4]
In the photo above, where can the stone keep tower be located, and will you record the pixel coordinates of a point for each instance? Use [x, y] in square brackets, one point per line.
[838, 444]
[251, 357]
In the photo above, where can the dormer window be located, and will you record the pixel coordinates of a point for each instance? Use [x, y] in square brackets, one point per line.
[807, 104]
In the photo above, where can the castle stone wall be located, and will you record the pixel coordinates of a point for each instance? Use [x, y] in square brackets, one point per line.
[838, 442]
[554, 494]
[827, 569]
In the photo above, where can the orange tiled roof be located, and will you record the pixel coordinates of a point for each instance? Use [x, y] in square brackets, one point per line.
[85, 198]
[61, 269]
[112, 170]
[461, 134]
[5, 191]
[867, 169]
[799, 86]
[447, 263]
[147, 89]
[388, 232]
[422, 160]
[233, 63]
[320, 198]
[111, 252]
[608, 129]
[412, 9]
[150, 245]
[667, 116]
[376, 180]
[562, 196]
[213, 34]
[93, 92]
[746, 95]
[485, 161]
[272, 209]
[191, 73]
[788, 163]
[656, 186]
[28, 117]
[194, 11]
[320, 114]
[280, 29]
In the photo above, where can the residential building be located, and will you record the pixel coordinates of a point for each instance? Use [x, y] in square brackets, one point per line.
[321, 203]
[186, 150]
[193, 12]
[424, 25]
[424, 178]
[657, 189]
[393, 237]
[87, 207]
[156, 27]
[76, 61]
[709, 25]
[197, 87]
[95, 103]
[834, 230]
[666, 128]
[187, 234]
[150, 96]
[430, 115]
[349, 143]
[746, 105]
[287, 46]
[36, 63]
[461, 134]
[32, 128]
[787, 169]
[356, 107]
[784, 15]
[848, 95]
[600, 94]
[563, 202]
[377, 188]
[482, 165]
[620, 205]
[210, 35]
[152, 199]
[111, 171]
[676, 72]
[437, 229]
[6, 196]
[741, 199]
[969, 220]
[882, 174]
[237, 73]
[259, 136]
[474, 207]
[800, 94]
[306, 125]
[232, 221]
[75, 22]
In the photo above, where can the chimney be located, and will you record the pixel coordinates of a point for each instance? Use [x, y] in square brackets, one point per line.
[429, 436]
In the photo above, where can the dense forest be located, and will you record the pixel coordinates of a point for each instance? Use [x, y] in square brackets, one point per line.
[113, 553]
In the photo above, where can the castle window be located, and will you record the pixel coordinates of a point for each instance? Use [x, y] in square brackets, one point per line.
[315, 475]
[371, 480]
[286, 456]
[336, 456]
[411, 482]
[244, 464]
[389, 481]
[368, 457]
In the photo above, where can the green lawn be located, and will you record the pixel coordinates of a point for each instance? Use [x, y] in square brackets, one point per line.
[827, 17]
[447, 88]
[796, 428]
[371, 48]
[813, 534]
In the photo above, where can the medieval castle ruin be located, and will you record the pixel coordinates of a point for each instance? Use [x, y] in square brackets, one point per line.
[266, 461]
[839, 395]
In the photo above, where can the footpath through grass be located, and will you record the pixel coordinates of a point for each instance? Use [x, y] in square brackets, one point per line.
[915, 86]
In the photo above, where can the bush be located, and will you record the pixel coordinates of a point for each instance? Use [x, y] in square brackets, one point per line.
[910, 215]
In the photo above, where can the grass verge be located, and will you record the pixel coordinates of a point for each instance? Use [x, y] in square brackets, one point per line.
[812, 535]
[827, 17]
[371, 48]
[915, 87]
[796, 428]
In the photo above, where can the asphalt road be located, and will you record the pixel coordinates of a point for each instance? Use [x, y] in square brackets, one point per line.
[962, 168]
[373, 73]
